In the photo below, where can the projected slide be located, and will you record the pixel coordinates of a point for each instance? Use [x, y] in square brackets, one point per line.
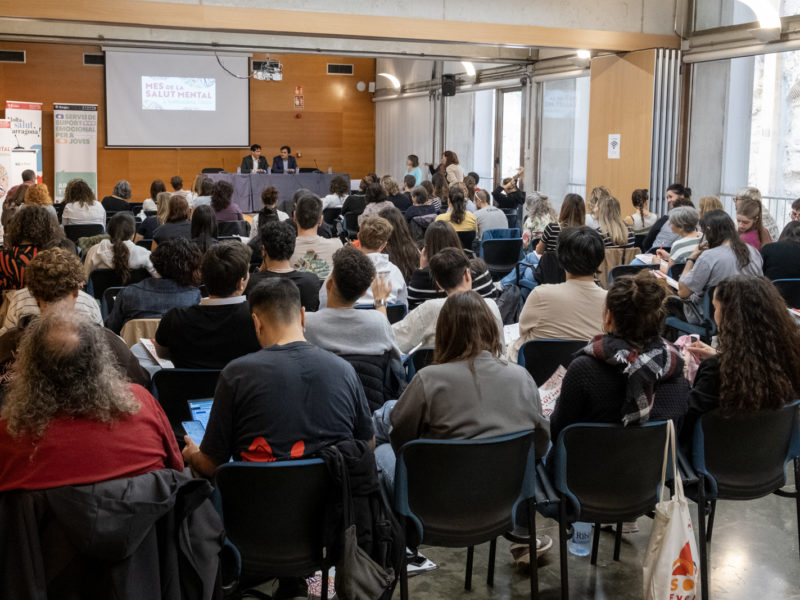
[178, 93]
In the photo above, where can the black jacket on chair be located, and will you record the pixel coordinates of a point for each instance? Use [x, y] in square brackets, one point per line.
[379, 378]
[152, 536]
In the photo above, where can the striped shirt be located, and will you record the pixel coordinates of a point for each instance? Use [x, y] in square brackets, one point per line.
[21, 304]
[609, 243]
[422, 287]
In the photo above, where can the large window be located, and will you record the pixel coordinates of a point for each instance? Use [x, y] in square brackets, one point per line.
[710, 14]
[564, 137]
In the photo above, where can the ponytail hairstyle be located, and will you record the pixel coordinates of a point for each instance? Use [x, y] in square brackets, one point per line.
[458, 206]
[639, 198]
[121, 228]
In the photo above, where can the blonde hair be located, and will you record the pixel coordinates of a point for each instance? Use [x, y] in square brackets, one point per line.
[597, 194]
[374, 232]
[709, 203]
[389, 185]
[609, 216]
[162, 206]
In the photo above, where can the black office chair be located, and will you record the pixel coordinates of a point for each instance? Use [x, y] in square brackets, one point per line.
[621, 270]
[395, 312]
[351, 224]
[146, 243]
[543, 357]
[308, 170]
[231, 228]
[466, 238]
[74, 232]
[109, 297]
[460, 493]
[751, 468]
[60, 210]
[612, 490]
[501, 255]
[790, 290]
[102, 279]
[639, 240]
[511, 217]
[282, 534]
[150, 213]
[173, 387]
[136, 207]
[331, 215]
[419, 359]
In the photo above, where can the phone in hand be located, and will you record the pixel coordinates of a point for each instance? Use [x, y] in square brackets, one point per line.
[195, 430]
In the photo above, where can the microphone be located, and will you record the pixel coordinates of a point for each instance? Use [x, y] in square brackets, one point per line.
[19, 146]
[315, 165]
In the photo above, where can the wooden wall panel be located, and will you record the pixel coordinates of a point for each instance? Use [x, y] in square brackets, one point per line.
[336, 127]
[621, 102]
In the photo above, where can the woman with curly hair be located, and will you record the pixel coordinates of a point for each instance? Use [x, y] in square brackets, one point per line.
[39, 195]
[177, 264]
[119, 252]
[339, 190]
[71, 418]
[452, 169]
[401, 248]
[756, 365]
[539, 214]
[33, 228]
[221, 201]
[80, 205]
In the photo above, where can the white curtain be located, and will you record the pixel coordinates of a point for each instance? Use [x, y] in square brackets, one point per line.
[459, 131]
[402, 127]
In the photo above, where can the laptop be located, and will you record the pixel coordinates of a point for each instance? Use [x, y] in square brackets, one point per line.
[196, 428]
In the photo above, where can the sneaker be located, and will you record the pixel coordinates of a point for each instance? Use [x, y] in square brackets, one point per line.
[627, 527]
[521, 553]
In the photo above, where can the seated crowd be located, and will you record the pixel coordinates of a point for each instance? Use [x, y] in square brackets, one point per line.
[326, 321]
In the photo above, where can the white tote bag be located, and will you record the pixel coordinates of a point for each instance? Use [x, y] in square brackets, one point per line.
[671, 568]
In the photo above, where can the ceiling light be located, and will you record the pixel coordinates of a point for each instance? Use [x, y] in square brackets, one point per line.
[469, 67]
[394, 80]
[584, 54]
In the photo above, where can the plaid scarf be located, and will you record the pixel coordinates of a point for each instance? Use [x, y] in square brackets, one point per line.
[658, 361]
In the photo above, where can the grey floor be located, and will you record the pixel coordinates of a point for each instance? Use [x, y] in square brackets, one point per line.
[754, 556]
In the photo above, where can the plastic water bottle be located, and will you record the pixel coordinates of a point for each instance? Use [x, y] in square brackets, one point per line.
[581, 542]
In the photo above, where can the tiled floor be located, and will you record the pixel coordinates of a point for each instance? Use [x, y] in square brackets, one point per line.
[754, 556]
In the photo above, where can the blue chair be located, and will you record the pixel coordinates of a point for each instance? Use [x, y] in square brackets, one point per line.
[460, 493]
[707, 328]
[790, 290]
[615, 489]
[501, 234]
[282, 534]
[501, 254]
[394, 312]
[419, 359]
[752, 467]
[541, 358]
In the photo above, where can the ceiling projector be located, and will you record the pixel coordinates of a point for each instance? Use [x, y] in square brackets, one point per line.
[269, 70]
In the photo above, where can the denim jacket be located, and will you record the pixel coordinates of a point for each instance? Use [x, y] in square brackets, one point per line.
[149, 299]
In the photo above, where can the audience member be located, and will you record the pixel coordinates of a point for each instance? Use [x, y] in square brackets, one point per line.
[749, 217]
[176, 182]
[450, 269]
[219, 329]
[795, 216]
[629, 374]
[70, 418]
[756, 364]
[573, 214]
[355, 203]
[538, 214]
[15, 197]
[32, 229]
[80, 205]
[289, 205]
[402, 201]
[401, 248]
[375, 198]
[203, 198]
[38, 195]
[278, 242]
[264, 216]
[591, 205]
[488, 216]
[709, 203]
[723, 255]
[147, 228]
[469, 184]
[269, 199]
[54, 280]
[661, 233]
[458, 216]
[420, 205]
[338, 192]
[197, 188]
[438, 236]
[204, 227]
[119, 252]
[357, 335]
[507, 195]
[28, 177]
[782, 258]
[572, 310]
[683, 221]
[224, 208]
[177, 223]
[440, 198]
[155, 189]
[642, 220]
[177, 263]
[752, 194]
[613, 229]
[312, 252]
[119, 199]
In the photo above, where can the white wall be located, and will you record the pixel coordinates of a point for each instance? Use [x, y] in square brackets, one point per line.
[402, 127]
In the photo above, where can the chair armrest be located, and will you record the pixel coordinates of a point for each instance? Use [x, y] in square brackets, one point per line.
[686, 470]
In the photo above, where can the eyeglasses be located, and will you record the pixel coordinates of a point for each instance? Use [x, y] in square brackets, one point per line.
[796, 215]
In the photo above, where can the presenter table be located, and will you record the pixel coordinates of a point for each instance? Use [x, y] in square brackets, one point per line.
[247, 188]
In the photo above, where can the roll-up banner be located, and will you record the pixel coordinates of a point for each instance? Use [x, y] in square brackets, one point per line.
[26, 128]
[6, 144]
[75, 128]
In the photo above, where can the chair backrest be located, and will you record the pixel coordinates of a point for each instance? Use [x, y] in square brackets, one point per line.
[549, 270]
[351, 223]
[542, 357]
[135, 207]
[109, 297]
[501, 234]
[60, 210]
[614, 257]
[638, 239]
[512, 219]
[790, 290]
[676, 270]
[274, 515]
[150, 213]
[102, 279]
[753, 466]
[331, 215]
[145, 243]
[418, 359]
[73, 232]
[213, 170]
[501, 255]
[462, 492]
[173, 387]
[395, 312]
[621, 270]
[621, 485]
[229, 228]
[466, 237]
[136, 329]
